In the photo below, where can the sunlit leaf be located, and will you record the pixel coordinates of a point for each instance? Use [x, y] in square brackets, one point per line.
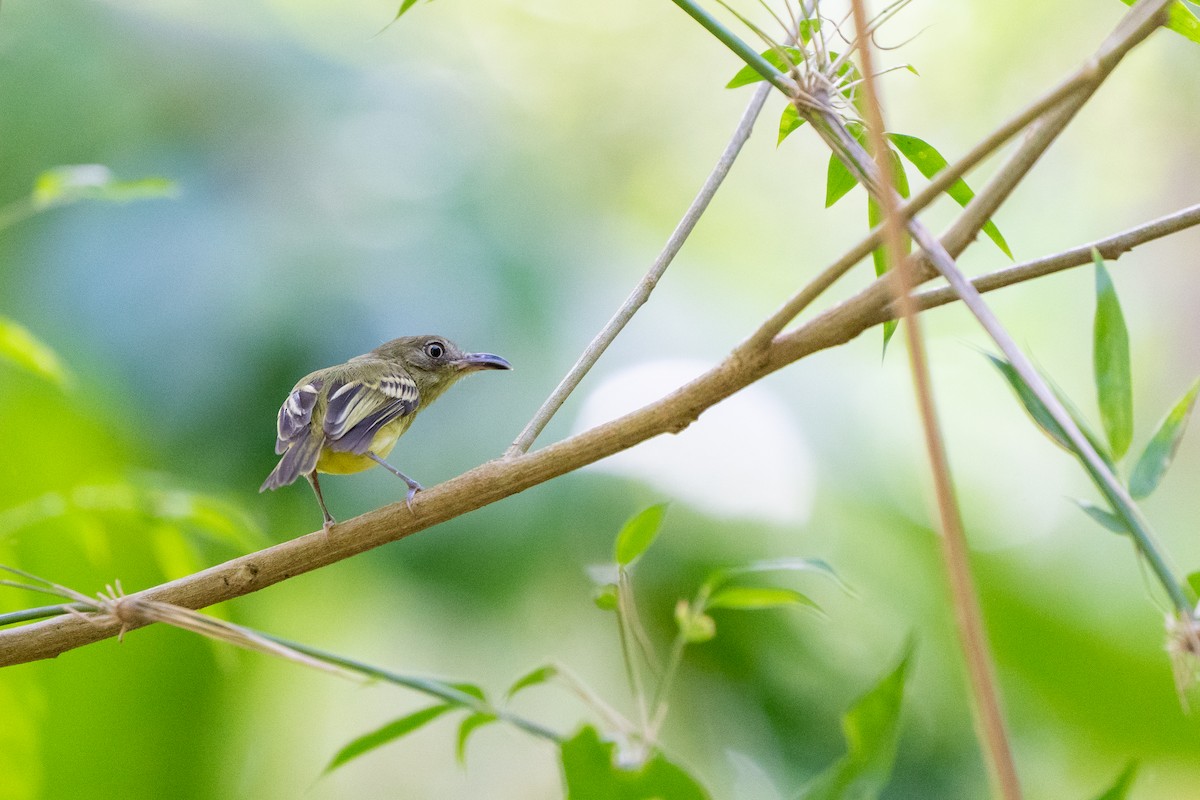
[404, 6]
[789, 121]
[639, 533]
[532, 678]
[1124, 782]
[69, 184]
[930, 162]
[469, 726]
[1110, 358]
[591, 772]
[1160, 451]
[1193, 582]
[871, 727]
[1104, 517]
[748, 75]
[1180, 19]
[394, 730]
[756, 597]
[25, 350]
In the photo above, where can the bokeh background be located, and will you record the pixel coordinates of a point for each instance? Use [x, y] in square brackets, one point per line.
[503, 173]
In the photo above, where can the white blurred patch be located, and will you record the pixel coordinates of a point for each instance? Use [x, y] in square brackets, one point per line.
[745, 457]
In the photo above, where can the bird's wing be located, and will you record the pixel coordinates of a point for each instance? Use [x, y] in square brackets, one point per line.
[296, 440]
[359, 408]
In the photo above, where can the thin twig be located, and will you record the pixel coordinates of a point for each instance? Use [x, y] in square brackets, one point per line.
[641, 293]
[967, 613]
[1110, 247]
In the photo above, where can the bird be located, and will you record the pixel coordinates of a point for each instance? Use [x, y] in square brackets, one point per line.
[347, 418]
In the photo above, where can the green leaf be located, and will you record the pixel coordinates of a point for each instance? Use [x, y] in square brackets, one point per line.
[1035, 408]
[756, 597]
[638, 533]
[1124, 782]
[605, 597]
[872, 727]
[789, 121]
[590, 772]
[388, 733]
[69, 184]
[838, 180]
[469, 726]
[532, 678]
[1180, 19]
[875, 217]
[930, 162]
[1110, 359]
[695, 625]
[25, 350]
[404, 6]
[720, 577]
[1104, 517]
[1193, 582]
[1160, 451]
[748, 75]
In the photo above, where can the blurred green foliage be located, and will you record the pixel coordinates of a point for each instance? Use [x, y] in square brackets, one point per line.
[504, 172]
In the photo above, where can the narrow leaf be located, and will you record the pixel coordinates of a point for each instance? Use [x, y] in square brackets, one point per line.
[1124, 782]
[1104, 517]
[591, 772]
[639, 533]
[872, 728]
[1160, 451]
[68, 184]
[789, 121]
[720, 577]
[874, 218]
[930, 162]
[22, 348]
[469, 726]
[1110, 359]
[838, 180]
[1039, 413]
[388, 733]
[1180, 19]
[748, 75]
[750, 598]
[532, 678]
[1193, 582]
[404, 6]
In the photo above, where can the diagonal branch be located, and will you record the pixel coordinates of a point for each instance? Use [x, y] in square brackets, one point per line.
[641, 293]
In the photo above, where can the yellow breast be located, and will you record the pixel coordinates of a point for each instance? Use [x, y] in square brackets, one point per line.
[346, 463]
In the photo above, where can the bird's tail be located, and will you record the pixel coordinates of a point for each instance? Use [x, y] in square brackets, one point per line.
[300, 459]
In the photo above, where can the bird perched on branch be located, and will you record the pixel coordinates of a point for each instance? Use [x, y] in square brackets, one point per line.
[347, 418]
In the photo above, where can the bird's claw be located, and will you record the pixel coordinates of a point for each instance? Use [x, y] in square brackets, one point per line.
[413, 488]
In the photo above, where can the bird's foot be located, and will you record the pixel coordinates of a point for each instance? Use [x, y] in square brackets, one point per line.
[413, 488]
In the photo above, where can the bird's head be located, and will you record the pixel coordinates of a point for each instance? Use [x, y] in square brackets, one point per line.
[435, 362]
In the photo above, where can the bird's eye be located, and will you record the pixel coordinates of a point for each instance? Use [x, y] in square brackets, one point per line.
[435, 350]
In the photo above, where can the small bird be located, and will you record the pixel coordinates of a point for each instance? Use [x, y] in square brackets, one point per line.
[347, 418]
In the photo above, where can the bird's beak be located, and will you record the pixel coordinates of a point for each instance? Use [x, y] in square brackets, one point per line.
[477, 361]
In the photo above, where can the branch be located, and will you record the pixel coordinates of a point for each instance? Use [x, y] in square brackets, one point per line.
[967, 613]
[641, 293]
[1111, 248]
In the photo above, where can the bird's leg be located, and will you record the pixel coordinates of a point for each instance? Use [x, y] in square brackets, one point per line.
[312, 481]
[413, 486]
